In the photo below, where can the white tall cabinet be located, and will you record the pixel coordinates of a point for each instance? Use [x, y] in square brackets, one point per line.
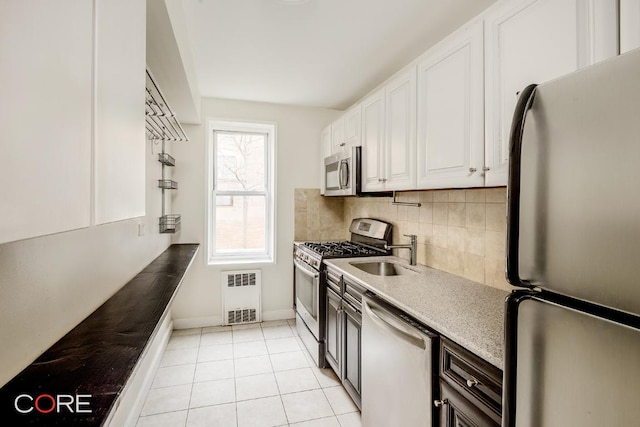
[72, 115]
[629, 25]
[119, 174]
[450, 148]
[373, 141]
[534, 41]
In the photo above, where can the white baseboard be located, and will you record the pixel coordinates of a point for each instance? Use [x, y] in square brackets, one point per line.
[129, 405]
[204, 322]
[197, 322]
[278, 314]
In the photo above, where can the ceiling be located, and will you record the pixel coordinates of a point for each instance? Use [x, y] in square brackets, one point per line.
[323, 53]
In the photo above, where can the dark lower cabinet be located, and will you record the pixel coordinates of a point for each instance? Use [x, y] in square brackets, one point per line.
[333, 335]
[352, 352]
[470, 388]
[456, 411]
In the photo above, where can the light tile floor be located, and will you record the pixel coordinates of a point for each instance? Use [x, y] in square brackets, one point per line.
[244, 376]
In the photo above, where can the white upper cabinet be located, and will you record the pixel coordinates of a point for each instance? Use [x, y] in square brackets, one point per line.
[352, 126]
[400, 152]
[450, 149]
[46, 58]
[389, 135]
[120, 93]
[345, 132]
[72, 78]
[629, 25]
[373, 141]
[534, 41]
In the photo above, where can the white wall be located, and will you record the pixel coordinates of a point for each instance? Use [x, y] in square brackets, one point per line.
[298, 166]
[49, 284]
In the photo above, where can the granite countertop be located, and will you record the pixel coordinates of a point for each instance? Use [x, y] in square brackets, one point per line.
[467, 312]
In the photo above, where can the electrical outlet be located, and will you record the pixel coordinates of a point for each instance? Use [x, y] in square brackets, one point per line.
[140, 229]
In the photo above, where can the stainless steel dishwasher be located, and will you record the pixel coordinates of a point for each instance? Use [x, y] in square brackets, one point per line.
[399, 370]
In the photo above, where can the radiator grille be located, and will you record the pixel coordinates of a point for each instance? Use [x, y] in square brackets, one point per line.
[241, 279]
[244, 315]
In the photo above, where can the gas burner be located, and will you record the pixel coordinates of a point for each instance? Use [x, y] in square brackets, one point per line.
[340, 249]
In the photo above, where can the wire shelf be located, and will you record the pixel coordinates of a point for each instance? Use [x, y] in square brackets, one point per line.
[170, 223]
[167, 184]
[166, 159]
[161, 122]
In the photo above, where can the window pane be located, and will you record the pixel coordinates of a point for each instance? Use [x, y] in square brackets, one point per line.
[240, 161]
[240, 224]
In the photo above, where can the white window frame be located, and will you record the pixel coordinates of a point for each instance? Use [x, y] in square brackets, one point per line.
[244, 256]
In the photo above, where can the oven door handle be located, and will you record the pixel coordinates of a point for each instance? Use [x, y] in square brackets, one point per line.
[306, 270]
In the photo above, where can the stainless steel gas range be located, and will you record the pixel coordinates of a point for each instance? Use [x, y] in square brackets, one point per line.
[369, 237]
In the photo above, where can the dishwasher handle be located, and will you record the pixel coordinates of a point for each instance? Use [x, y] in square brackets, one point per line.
[386, 321]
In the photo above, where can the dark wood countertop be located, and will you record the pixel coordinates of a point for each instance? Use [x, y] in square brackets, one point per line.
[98, 356]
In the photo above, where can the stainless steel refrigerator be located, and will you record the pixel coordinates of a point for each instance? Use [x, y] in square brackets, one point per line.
[572, 354]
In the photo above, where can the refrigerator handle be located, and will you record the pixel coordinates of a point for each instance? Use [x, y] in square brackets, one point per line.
[513, 188]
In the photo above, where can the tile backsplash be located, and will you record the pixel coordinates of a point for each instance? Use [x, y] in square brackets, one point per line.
[459, 231]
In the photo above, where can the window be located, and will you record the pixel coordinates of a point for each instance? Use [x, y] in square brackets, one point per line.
[241, 202]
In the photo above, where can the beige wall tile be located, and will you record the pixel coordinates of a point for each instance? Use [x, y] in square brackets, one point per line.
[425, 233]
[426, 196]
[475, 195]
[457, 196]
[440, 213]
[495, 245]
[474, 242]
[439, 257]
[440, 196]
[496, 195]
[496, 216]
[455, 262]
[456, 238]
[421, 255]
[439, 236]
[426, 212]
[402, 213]
[476, 215]
[474, 267]
[494, 274]
[457, 214]
[413, 213]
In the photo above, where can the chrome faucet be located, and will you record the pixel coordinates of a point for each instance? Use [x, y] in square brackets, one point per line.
[411, 246]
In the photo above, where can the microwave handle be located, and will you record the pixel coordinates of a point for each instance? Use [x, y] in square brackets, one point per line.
[343, 174]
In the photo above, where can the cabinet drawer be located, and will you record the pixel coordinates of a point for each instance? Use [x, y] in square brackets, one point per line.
[477, 380]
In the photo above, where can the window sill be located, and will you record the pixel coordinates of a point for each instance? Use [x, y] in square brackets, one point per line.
[240, 261]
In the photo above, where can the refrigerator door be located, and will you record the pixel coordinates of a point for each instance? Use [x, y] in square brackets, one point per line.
[578, 228]
[571, 368]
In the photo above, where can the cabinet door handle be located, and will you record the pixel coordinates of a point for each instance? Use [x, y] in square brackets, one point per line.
[342, 144]
[472, 170]
[471, 382]
[486, 168]
[439, 403]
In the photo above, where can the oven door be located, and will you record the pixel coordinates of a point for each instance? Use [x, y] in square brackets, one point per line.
[307, 282]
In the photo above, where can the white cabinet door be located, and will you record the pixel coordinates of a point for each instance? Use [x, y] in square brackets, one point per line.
[534, 41]
[120, 93]
[400, 164]
[629, 25]
[337, 135]
[46, 57]
[352, 126]
[373, 141]
[450, 149]
[325, 151]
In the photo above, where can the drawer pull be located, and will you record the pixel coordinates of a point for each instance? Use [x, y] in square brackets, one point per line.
[472, 382]
[439, 403]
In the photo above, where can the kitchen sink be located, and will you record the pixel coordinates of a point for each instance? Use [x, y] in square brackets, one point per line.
[383, 268]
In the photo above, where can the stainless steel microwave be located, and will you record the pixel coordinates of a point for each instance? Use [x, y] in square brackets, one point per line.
[342, 173]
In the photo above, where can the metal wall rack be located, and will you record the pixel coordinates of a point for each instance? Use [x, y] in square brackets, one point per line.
[162, 126]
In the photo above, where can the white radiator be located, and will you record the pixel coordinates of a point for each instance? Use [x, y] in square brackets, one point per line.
[241, 296]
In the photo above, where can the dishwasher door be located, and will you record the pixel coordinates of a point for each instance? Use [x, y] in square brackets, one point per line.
[398, 368]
